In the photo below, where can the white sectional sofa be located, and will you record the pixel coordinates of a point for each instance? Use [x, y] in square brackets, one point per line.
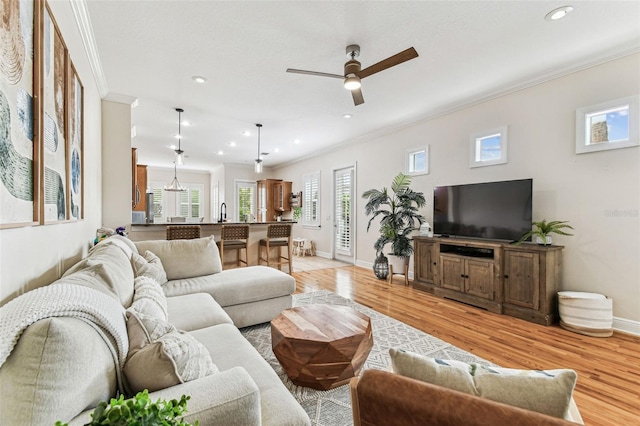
[67, 346]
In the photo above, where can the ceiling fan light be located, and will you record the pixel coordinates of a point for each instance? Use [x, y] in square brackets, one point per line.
[352, 82]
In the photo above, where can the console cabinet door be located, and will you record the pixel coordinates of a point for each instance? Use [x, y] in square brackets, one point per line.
[522, 279]
[452, 272]
[425, 261]
[479, 276]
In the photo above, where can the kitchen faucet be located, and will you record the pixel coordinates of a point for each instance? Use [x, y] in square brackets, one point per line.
[223, 218]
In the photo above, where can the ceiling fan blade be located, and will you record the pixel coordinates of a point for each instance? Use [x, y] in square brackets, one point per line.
[391, 61]
[357, 97]
[320, 74]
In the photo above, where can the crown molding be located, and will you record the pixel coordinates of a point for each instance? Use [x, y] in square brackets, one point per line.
[83, 21]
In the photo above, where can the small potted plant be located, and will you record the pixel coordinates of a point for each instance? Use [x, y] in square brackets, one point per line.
[139, 410]
[544, 229]
[398, 213]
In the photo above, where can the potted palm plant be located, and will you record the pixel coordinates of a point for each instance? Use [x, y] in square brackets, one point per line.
[544, 229]
[398, 214]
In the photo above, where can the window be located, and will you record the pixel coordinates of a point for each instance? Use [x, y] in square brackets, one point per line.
[609, 125]
[245, 201]
[417, 161]
[489, 148]
[158, 201]
[311, 200]
[189, 202]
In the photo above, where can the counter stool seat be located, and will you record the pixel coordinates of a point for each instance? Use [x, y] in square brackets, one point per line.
[278, 236]
[234, 237]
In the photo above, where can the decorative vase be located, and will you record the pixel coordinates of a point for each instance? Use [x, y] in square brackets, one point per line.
[381, 267]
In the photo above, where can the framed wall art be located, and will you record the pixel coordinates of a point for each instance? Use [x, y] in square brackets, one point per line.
[19, 152]
[54, 122]
[75, 139]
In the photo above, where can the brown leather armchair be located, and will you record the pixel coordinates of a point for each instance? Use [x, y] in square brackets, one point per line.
[384, 398]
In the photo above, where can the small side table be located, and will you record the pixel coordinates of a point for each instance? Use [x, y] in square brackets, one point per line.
[298, 244]
[406, 274]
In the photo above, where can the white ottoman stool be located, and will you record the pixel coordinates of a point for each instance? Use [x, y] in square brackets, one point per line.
[586, 313]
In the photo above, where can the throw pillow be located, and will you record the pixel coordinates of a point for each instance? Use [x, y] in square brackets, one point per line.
[161, 356]
[148, 298]
[149, 265]
[548, 392]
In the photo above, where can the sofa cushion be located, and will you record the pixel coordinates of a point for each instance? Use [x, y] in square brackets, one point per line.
[194, 311]
[228, 349]
[148, 265]
[161, 356]
[109, 267]
[236, 286]
[548, 392]
[59, 368]
[185, 258]
[149, 298]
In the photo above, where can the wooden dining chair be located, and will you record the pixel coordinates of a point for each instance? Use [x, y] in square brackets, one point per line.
[278, 236]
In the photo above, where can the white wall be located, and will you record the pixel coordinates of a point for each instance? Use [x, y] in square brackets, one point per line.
[37, 255]
[584, 189]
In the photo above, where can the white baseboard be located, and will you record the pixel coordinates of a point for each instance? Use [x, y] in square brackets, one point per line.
[626, 326]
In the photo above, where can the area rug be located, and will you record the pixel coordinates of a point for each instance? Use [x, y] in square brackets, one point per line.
[333, 407]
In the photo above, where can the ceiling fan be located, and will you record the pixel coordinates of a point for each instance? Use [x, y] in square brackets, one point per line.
[353, 74]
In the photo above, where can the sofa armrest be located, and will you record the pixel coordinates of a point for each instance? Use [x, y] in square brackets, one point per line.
[228, 397]
[384, 398]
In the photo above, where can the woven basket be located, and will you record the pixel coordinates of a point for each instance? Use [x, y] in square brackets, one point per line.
[590, 314]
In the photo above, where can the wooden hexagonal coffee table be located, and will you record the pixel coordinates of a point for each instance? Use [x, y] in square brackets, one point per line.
[321, 346]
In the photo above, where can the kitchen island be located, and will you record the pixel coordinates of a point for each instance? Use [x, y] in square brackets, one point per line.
[257, 231]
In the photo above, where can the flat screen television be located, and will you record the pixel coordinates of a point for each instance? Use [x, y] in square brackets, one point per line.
[491, 210]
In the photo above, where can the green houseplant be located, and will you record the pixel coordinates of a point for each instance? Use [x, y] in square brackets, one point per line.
[544, 229]
[139, 411]
[398, 214]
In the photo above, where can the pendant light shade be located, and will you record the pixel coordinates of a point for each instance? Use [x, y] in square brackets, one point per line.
[258, 163]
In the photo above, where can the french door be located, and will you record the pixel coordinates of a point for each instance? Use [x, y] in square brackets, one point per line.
[343, 222]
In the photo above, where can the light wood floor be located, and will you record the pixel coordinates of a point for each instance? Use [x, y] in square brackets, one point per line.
[608, 388]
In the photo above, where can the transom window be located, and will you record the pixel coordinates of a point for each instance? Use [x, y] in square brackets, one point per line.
[417, 161]
[609, 125]
[489, 147]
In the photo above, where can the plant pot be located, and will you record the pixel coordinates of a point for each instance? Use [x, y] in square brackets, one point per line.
[546, 242]
[397, 262]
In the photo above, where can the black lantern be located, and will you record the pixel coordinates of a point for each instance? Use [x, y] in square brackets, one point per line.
[381, 267]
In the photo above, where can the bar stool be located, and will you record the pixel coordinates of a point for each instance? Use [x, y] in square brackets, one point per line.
[183, 232]
[234, 237]
[278, 235]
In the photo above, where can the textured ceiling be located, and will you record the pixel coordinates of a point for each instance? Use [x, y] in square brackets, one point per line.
[468, 51]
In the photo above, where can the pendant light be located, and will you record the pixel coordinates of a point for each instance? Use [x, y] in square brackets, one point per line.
[174, 185]
[258, 164]
[179, 151]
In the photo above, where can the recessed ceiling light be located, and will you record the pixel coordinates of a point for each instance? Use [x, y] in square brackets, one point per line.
[558, 13]
[199, 79]
[220, 152]
[296, 141]
[185, 123]
[172, 146]
[276, 149]
[232, 143]
[178, 136]
[347, 116]
[246, 133]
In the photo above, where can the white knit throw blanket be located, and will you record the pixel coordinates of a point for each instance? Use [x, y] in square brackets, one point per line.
[101, 311]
